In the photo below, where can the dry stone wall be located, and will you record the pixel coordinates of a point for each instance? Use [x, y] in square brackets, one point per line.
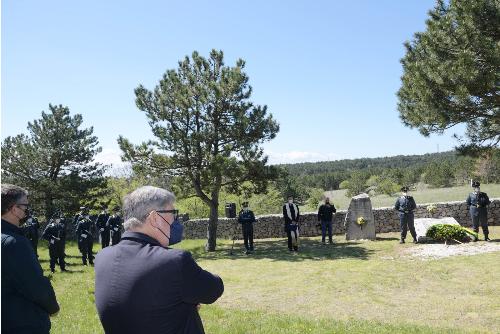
[386, 220]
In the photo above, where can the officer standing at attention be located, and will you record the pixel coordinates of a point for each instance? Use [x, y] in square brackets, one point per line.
[246, 218]
[84, 235]
[115, 223]
[53, 234]
[405, 205]
[477, 204]
[30, 229]
[291, 215]
[103, 226]
[325, 216]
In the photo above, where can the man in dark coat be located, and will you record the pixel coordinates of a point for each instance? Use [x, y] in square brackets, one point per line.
[53, 233]
[85, 236]
[477, 204]
[405, 205]
[115, 225]
[103, 227]
[325, 216]
[144, 286]
[27, 296]
[291, 215]
[246, 218]
[30, 230]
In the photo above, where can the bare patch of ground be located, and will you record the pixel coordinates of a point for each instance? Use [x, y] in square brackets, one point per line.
[437, 251]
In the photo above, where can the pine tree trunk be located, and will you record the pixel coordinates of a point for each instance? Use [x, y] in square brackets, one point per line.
[212, 228]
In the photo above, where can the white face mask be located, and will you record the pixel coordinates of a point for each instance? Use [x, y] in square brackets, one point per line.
[290, 201]
[477, 189]
[405, 194]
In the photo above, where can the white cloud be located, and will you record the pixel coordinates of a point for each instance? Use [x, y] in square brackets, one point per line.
[299, 156]
[112, 158]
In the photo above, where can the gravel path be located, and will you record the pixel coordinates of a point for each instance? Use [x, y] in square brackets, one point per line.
[437, 251]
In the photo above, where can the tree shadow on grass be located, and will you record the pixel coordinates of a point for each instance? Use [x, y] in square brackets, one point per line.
[277, 250]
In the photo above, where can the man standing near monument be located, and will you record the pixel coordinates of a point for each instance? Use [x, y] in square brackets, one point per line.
[325, 216]
[246, 218]
[291, 214]
[405, 205]
[477, 204]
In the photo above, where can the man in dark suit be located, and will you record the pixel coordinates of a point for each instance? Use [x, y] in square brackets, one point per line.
[27, 296]
[291, 215]
[144, 286]
[477, 204]
[325, 216]
[405, 205]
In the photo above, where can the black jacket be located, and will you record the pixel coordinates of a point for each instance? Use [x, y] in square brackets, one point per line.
[405, 205]
[27, 296]
[142, 287]
[325, 212]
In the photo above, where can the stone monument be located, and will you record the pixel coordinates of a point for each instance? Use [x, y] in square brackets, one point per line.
[359, 222]
[423, 224]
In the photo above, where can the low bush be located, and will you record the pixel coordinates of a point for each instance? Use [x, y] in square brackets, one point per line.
[444, 232]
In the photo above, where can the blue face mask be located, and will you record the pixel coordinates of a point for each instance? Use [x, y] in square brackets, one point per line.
[176, 229]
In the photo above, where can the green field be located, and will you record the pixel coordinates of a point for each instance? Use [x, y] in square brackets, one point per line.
[348, 287]
[421, 195]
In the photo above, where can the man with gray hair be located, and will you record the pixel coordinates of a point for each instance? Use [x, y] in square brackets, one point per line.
[27, 296]
[142, 285]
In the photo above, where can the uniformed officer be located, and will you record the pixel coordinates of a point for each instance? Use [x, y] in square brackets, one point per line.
[325, 216]
[30, 229]
[84, 234]
[115, 223]
[53, 234]
[405, 205]
[246, 218]
[477, 204]
[103, 226]
[291, 215]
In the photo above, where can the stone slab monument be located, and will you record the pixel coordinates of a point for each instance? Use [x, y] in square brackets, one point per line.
[359, 222]
[423, 224]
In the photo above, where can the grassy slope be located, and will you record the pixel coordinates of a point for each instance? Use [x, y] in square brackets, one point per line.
[367, 287]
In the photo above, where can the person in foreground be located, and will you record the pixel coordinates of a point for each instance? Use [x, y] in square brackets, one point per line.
[27, 296]
[142, 285]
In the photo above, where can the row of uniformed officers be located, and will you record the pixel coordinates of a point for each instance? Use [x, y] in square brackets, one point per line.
[108, 226]
[477, 205]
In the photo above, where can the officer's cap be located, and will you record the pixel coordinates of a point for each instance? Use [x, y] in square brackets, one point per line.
[475, 184]
[244, 204]
[405, 188]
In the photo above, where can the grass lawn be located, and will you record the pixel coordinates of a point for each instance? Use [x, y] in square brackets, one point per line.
[348, 287]
[423, 195]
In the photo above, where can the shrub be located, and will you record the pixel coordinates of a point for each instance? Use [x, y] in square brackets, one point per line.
[443, 232]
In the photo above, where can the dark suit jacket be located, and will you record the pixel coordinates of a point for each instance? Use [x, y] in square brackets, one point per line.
[27, 296]
[142, 287]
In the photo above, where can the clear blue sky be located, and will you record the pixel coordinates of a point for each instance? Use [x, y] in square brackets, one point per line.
[327, 70]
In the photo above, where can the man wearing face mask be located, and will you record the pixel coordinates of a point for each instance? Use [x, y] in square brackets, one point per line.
[53, 233]
[144, 286]
[405, 205]
[85, 236]
[325, 216]
[291, 215]
[27, 296]
[246, 218]
[477, 205]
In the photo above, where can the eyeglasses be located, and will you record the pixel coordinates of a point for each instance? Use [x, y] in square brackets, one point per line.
[175, 212]
[23, 204]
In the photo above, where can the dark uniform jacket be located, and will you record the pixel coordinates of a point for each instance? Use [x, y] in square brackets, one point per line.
[115, 223]
[142, 287]
[405, 204]
[326, 211]
[84, 229]
[27, 296]
[54, 233]
[102, 222]
[477, 202]
[294, 215]
[246, 217]
[30, 228]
